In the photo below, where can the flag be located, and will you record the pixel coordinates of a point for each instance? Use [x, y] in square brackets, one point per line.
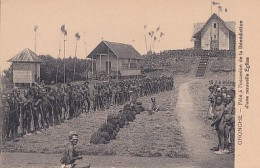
[220, 8]
[77, 36]
[161, 34]
[63, 30]
[158, 28]
[215, 3]
[151, 33]
[225, 9]
[35, 28]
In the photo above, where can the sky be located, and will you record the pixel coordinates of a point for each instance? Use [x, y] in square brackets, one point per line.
[111, 20]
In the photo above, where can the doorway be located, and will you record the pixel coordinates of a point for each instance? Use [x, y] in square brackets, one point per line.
[108, 67]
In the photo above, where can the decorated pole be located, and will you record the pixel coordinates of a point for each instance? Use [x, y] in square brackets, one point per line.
[85, 46]
[64, 64]
[75, 57]
[108, 65]
[92, 65]
[151, 33]
[161, 35]
[64, 31]
[117, 70]
[145, 40]
[211, 8]
[35, 37]
[57, 68]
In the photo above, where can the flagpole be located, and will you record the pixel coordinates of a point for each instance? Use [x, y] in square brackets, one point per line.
[57, 70]
[108, 66]
[86, 61]
[218, 35]
[35, 41]
[92, 68]
[145, 43]
[74, 68]
[145, 39]
[211, 8]
[150, 47]
[117, 70]
[64, 66]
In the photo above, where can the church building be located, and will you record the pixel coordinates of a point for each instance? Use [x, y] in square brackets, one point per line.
[214, 34]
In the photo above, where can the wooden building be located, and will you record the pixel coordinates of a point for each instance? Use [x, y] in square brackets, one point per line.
[214, 34]
[116, 57]
[26, 68]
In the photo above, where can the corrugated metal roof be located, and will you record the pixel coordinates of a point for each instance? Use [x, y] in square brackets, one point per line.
[123, 51]
[26, 55]
[231, 25]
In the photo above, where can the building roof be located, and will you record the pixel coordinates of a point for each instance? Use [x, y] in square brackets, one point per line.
[26, 55]
[231, 25]
[122, 51]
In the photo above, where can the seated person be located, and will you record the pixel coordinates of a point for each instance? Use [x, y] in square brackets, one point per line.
[70, 154]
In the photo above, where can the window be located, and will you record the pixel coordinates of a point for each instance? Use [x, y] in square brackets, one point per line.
[215, 25]
[133, 65]
[215, 36]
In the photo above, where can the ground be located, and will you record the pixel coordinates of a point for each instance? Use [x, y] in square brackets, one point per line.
[179, 135]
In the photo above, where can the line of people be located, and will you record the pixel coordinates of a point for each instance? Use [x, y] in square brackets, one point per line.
[222, 113]
[108, 130]
[39, 107]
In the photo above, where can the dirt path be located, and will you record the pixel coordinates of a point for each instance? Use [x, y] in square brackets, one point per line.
[29, 160]
[194, 129]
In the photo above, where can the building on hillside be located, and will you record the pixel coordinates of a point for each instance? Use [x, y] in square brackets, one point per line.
[26, 68]
[214, 34]
[116, 57]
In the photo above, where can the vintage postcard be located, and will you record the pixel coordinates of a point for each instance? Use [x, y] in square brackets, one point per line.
[151, 83]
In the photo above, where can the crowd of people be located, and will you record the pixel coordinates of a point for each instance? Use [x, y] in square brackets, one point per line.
[108, 130]
[198, 52]
[222, 113]
[171, 58]
[39, 107]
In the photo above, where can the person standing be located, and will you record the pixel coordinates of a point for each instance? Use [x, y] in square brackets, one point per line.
[153, 108]
[211, 99]
[219, 124]
[229, 118]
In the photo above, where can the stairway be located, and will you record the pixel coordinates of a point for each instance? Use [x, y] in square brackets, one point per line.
[202, 66]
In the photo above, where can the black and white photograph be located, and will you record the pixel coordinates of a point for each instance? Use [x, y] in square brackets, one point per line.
[118, 84]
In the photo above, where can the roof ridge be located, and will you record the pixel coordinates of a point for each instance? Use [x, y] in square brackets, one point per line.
[116, 42]
[120, 50]
[26, 55]
[205, 23]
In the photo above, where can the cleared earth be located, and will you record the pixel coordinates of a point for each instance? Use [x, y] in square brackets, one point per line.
[179, 135]
[148, 135]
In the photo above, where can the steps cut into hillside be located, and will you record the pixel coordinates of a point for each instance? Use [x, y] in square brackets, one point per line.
[202, 67]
